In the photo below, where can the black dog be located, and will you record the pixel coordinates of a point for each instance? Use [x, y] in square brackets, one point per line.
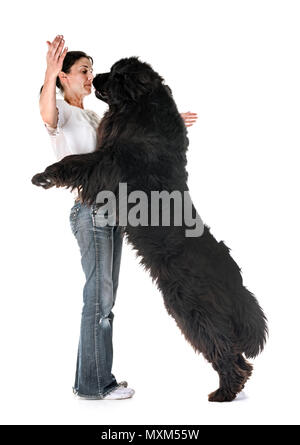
[143, 142]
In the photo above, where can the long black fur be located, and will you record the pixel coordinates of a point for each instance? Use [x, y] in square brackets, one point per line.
[142, 140]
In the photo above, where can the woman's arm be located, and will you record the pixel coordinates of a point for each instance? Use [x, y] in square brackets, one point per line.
[55, 58]
[48, 108]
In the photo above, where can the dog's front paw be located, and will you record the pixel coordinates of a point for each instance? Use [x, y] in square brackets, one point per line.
[43, 180]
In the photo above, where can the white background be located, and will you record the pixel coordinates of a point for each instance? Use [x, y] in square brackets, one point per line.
[235, 63]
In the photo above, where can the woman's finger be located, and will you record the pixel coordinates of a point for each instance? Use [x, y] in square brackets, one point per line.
[55, 41]
[54, 45]
[59, 51]
[63, 54]
[58, 47]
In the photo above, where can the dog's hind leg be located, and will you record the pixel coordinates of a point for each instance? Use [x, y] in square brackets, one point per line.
[245, 365]
[233, 372]
[218, 346]
[221, 351]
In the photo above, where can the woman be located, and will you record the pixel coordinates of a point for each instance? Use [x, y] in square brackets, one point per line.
[73, 130]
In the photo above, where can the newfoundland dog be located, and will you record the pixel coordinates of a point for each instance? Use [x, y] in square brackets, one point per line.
[142, 143]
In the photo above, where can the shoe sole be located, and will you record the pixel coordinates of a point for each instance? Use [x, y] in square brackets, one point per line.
[126, 396]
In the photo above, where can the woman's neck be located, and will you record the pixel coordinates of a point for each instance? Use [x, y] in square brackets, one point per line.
[74, 101]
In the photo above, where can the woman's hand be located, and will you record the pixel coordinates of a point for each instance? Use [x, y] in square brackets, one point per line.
[55, 56]
[189, 118]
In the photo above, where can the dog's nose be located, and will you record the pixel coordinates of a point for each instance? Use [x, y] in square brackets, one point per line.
[95, 79]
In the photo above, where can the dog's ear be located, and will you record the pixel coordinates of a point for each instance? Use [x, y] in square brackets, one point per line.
[131, 86]
[140, 84]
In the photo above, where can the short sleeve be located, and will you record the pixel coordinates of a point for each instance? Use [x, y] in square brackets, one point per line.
[64, 113]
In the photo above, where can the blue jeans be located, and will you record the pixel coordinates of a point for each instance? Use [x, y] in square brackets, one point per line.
[100, 249]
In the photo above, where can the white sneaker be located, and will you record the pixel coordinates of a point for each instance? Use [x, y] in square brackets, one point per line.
[120, 393]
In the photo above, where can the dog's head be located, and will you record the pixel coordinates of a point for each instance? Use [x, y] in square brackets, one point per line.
[128, 81]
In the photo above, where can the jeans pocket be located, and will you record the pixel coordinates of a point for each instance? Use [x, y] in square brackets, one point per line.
[103, 222]
[73, 218]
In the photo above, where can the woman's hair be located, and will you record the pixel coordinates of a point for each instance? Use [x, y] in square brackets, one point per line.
[70, 58]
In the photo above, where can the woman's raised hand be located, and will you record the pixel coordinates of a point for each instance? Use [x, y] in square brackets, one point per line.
[55, 55]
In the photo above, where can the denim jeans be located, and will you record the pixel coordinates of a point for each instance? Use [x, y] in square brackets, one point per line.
[100, 249]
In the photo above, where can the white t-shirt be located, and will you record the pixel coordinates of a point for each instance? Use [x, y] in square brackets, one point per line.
[76, 131]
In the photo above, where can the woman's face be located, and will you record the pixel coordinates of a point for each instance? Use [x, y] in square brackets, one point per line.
[79, 80]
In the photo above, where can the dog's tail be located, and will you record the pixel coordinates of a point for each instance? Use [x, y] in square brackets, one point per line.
[250, 323]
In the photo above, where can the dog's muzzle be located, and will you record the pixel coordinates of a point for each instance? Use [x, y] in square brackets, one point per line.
[100, 84]
[101, 95]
